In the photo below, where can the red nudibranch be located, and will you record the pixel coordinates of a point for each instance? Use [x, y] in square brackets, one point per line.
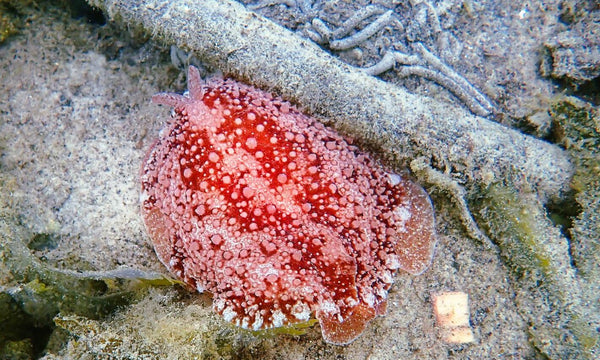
[275, 214]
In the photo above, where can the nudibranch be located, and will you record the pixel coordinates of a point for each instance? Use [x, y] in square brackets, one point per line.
[276, 215]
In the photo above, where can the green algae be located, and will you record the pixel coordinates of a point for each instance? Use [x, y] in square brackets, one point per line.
[577, 126]
[167, 321]
[18, 350]
[294, 329]
[33, 292]
[16, 329]
[162, 322]
[513, 221]
[41, 293]
[556, 270]
[11, 16]
[549, 293]
[44, 291]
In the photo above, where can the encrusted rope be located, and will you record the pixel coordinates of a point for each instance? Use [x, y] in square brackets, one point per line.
[399, 125]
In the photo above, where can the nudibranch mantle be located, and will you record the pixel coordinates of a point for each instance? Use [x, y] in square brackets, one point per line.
[276, 215]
